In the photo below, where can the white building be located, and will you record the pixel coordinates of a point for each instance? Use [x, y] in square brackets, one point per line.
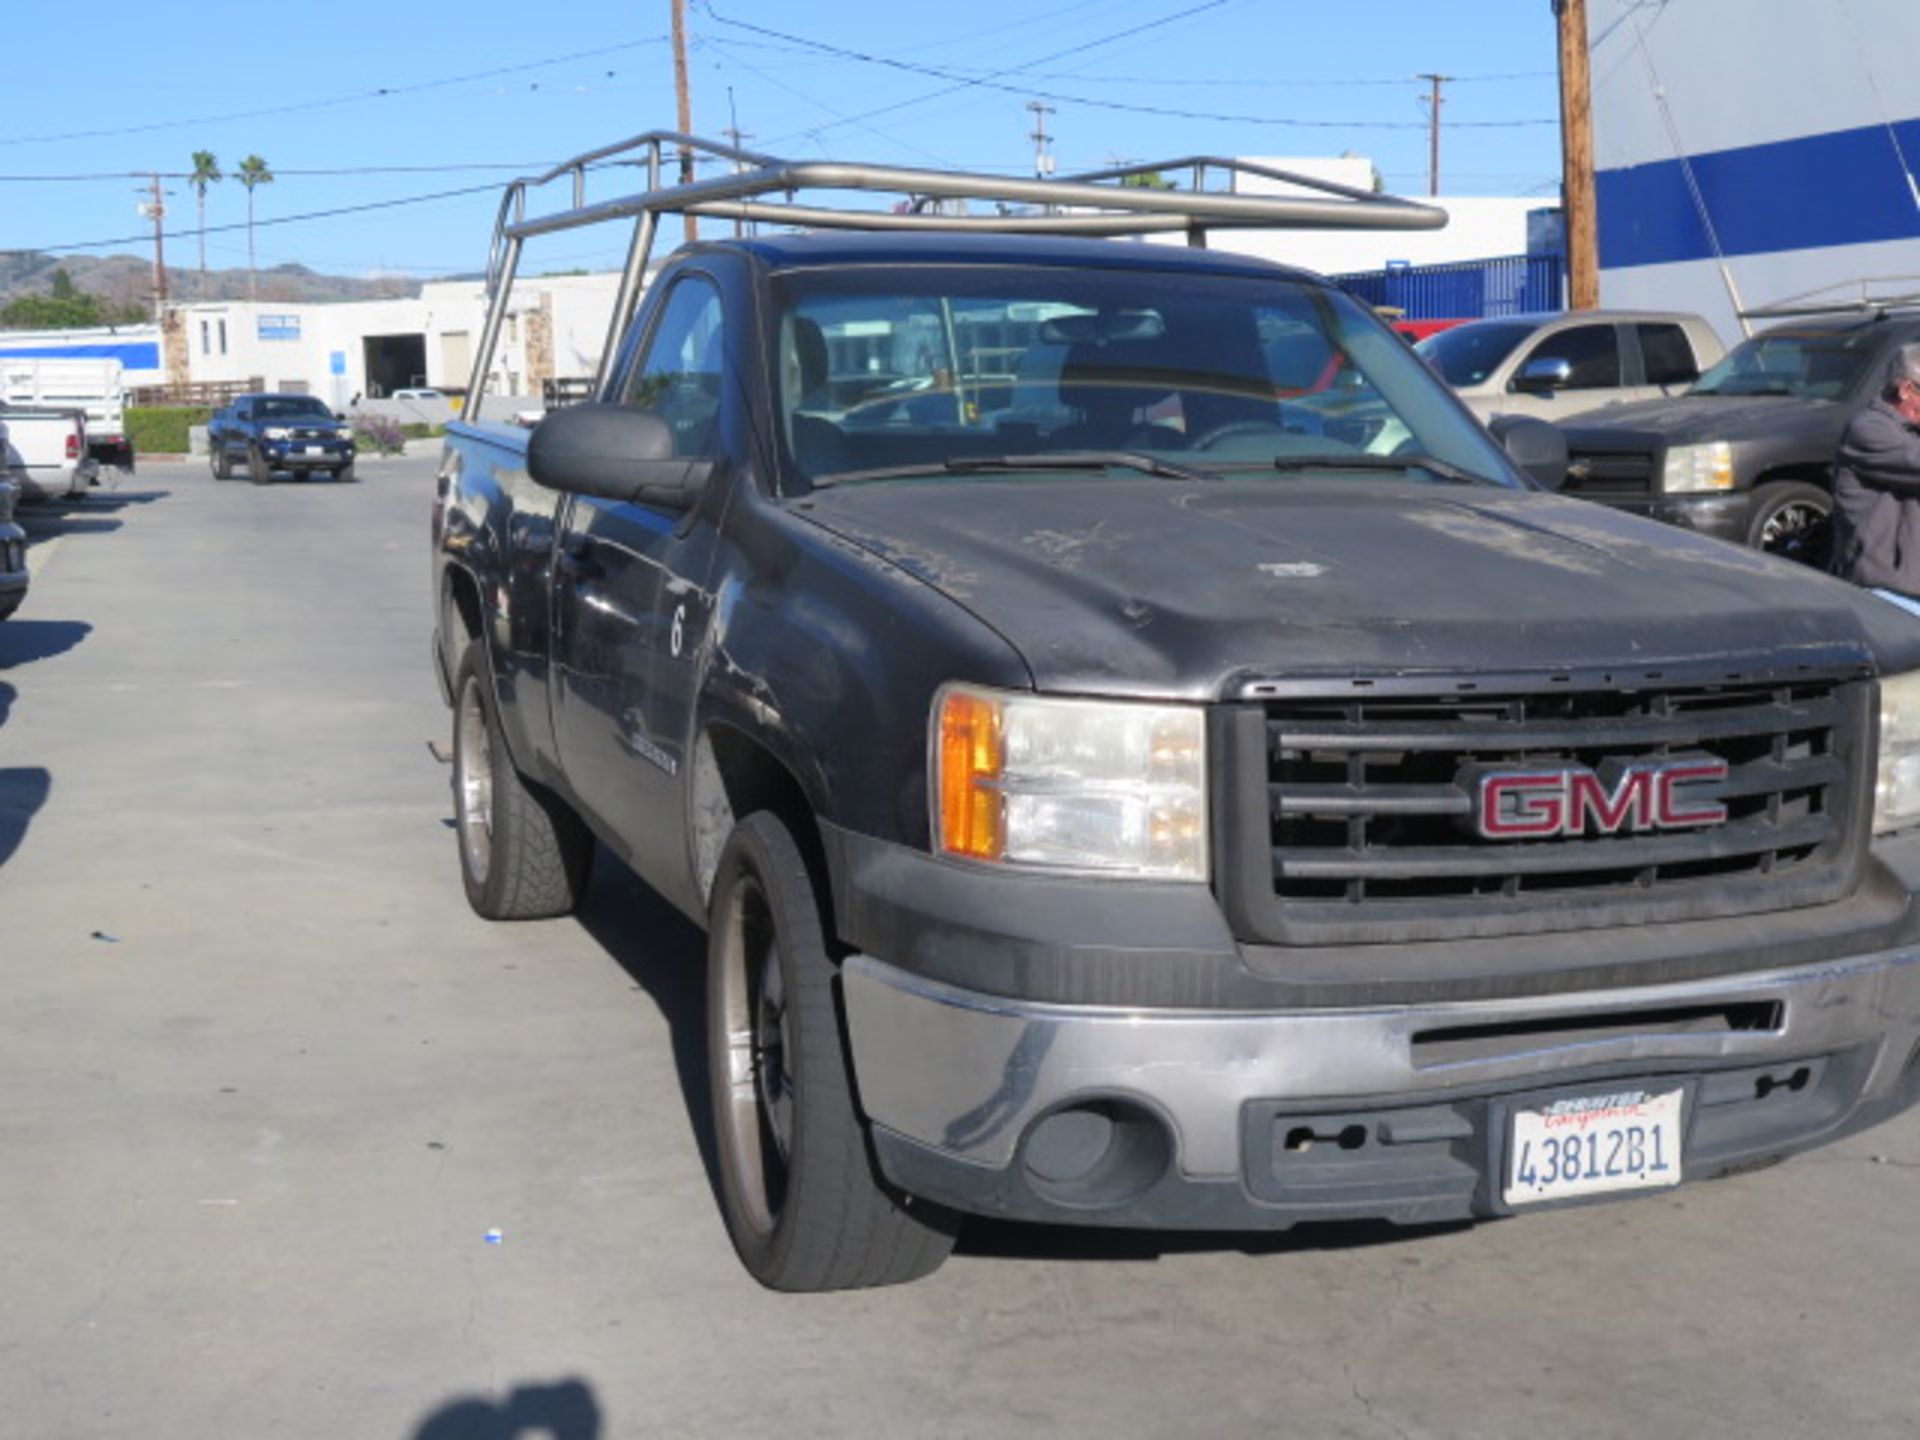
[370, 348]
[1748, 153]
[1479, 227]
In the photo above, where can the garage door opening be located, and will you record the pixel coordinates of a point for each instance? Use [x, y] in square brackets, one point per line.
[394, 362]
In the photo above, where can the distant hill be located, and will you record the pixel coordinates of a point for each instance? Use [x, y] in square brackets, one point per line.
[128, 279]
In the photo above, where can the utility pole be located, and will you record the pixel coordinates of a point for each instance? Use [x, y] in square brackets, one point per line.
[1042, 161]
[1434, 102]
[735, 135]
[1576, 157]
[154, 207]
[685, 106]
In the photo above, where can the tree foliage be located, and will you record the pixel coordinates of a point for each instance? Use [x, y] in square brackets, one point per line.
[66, 307]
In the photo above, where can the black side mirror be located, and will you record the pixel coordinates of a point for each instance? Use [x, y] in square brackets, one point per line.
[1535, 446]
[614, 452]
[1543, 377]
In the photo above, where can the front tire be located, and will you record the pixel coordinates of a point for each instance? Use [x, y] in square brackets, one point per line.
[345, 474]
[257, 470]
[1795, 520]
[524, 855]
[804, 1205]
[222, 466]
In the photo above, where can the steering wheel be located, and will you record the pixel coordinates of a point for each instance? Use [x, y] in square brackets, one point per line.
[1236, 430]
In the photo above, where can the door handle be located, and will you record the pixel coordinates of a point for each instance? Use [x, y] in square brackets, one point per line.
[577, 560]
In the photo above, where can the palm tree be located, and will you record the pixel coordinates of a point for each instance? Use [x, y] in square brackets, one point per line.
[206, 171]
[253, 172]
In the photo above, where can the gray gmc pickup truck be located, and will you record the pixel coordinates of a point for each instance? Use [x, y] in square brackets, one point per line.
[1143, 755]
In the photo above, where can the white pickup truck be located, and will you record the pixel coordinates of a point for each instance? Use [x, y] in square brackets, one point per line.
[46, 452]
[95, 386]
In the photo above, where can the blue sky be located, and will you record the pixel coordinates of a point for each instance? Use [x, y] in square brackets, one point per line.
[472, 90]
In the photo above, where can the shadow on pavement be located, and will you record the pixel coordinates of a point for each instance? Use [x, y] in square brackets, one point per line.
[22, 792]
[80, 515]
[666, 955]
[23, 641]
[564, 1410]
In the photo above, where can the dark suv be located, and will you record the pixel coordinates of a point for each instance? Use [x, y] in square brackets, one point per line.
[265, 433]
[1747, 453]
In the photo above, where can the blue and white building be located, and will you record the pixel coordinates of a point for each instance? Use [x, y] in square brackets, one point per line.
[1748, 152]
[136, 347]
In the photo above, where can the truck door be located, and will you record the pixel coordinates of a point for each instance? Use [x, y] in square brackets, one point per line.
[631, 607]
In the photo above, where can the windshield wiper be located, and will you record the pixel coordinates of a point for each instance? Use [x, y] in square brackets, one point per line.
[1432, 464]
[1013, 464]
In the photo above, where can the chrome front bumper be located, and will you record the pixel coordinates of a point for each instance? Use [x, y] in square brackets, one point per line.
[962, 1078]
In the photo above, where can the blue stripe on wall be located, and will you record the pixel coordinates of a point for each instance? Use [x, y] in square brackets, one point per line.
[134, 355]
[1845, 187]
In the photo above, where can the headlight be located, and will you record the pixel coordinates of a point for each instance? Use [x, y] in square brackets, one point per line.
[1112, 787]
[1896, 791]
[275, 432]
[1699, 467]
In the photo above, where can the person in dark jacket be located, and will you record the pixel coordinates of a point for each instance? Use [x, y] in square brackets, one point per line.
[1876, 486]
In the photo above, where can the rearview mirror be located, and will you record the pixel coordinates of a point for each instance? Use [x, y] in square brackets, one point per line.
[614, 452]
[1535, 446]
[1543, 377]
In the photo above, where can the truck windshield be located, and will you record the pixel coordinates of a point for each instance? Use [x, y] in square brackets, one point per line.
[1468, 354]
[928, 369]
[1810, 365]
[290, 407]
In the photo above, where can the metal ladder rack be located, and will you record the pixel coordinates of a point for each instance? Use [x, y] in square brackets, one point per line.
[766, 188]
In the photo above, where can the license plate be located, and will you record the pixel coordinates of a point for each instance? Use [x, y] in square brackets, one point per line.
[313, 449]
[1592, 1144]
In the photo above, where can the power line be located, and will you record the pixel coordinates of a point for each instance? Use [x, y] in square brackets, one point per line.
[260, 224]
[1163, 111]
[963, 82]
[1211, 82]
[520, 166]
[382, 93]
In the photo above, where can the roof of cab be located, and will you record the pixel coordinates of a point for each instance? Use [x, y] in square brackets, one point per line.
[783, 252]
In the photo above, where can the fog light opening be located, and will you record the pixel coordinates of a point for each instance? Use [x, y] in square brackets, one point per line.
[1097, 1153]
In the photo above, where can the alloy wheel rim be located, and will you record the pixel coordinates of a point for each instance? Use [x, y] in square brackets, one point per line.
[757, 1117]
[1793, 530]
[473, 781]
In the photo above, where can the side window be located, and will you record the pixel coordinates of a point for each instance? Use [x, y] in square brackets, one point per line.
[1667, 355]
[1592, 350]
[678, 378]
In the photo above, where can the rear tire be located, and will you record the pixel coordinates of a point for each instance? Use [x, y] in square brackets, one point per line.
[805, 1207]
[524, 854]
[1794, 520]
[257, 470]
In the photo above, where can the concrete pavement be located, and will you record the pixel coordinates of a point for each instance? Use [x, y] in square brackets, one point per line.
[266, 1086]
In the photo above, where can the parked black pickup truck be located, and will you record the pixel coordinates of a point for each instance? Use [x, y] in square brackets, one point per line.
[265, 433]
[1135, 772]
[1746, 453]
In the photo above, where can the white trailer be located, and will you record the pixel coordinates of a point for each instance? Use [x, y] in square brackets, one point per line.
[94, 386]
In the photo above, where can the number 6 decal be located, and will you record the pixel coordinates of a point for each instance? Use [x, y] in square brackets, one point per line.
[679, 629]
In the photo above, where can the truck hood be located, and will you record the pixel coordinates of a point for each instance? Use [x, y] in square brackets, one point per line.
[1690, 419]
[1150, 587]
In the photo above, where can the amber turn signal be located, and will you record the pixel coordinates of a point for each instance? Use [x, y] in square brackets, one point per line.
[971, 758]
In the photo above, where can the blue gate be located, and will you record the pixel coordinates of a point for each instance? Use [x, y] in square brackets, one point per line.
[1466, 290]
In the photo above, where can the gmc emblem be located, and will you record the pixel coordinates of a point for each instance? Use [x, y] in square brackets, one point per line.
[1574, 801]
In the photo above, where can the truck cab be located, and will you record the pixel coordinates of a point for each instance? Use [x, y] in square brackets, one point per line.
[1144, 755]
